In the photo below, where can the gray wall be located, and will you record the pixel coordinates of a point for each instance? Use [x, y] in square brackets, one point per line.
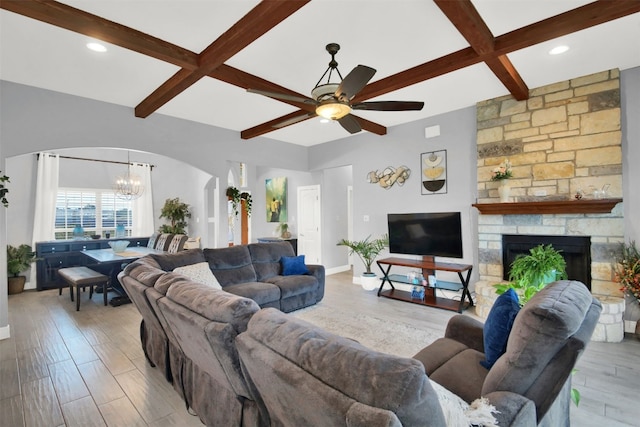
[35, 120]
[403, 146]
[260, 227]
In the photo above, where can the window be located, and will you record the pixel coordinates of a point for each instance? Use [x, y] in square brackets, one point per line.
[96, 211]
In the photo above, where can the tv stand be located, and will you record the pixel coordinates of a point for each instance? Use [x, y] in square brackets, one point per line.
[428, 266]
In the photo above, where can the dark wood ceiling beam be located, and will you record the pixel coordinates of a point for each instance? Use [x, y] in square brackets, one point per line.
[502, 67]
[263, 17]
[438, 67]
[465, 17]
[78, 21]
[574, 20]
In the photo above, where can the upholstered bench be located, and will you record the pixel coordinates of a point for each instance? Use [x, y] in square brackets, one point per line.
[81, 277]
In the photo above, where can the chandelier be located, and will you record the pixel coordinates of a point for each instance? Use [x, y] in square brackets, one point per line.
[128, 186]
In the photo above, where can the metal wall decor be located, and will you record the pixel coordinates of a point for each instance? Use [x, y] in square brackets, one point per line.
[389, 176]
[434, 172]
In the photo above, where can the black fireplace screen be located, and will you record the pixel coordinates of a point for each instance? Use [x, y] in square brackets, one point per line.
[576, 251]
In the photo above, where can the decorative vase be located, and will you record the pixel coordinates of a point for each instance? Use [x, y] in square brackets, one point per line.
[78, 232]
[504, 190]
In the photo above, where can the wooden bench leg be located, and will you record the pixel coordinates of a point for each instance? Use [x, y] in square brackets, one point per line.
[77, 298]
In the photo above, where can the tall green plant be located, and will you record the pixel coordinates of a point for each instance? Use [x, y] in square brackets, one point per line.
[367, 249]
[176, 212]
[532, 272]
[19, 259]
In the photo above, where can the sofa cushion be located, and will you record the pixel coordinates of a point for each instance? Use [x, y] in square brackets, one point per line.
[169, 262]
[498, 326]
[293, 265]
[200, 273]
[265, 294]
[294, 285]
[231, 265]
[266, 258]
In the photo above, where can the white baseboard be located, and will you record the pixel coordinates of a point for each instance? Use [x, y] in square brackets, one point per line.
[5, 332]
[336, 270]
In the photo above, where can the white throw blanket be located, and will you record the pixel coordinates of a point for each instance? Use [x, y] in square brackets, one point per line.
[458, 413]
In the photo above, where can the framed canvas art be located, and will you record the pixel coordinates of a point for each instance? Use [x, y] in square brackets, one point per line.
[276, 189]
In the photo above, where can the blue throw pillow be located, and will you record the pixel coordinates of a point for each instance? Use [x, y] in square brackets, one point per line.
[498, 326]
[293, 265]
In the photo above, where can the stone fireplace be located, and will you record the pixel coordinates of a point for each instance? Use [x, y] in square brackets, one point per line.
[563, 142]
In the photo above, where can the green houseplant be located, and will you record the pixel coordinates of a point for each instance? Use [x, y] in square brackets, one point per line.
[367, 250]
[236, 196]
[4, 190]
[176, 212]
[19, 259]
[532, 272]
[283, 229]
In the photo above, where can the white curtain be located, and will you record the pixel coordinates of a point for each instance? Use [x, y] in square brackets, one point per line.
[143, 206]
[46, 194]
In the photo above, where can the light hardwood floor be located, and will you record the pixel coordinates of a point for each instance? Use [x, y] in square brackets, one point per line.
[62, 367]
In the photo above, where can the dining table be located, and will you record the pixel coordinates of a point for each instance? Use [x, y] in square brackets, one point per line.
[111, 263]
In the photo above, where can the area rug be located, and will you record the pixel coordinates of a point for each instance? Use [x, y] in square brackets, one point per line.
[377, 334]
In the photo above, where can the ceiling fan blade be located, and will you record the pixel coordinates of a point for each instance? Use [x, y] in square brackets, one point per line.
[389, 106]
[293, 120]
[354, 82]
[283, 96]
[350, 124]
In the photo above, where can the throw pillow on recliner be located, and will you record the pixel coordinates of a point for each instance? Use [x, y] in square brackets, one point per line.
[293, 265]
[498, 326]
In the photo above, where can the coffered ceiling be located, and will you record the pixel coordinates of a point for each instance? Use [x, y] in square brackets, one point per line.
[194, 59]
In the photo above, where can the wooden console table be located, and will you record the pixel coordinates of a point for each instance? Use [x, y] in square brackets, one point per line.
[428, 267]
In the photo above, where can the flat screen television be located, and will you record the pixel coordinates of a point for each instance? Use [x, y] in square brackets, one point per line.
[426, 234]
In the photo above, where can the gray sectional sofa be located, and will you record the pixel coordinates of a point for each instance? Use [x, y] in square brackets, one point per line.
[253, 271]
[237, 362]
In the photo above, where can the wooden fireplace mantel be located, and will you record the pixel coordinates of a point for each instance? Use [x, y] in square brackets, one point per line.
[548, 207]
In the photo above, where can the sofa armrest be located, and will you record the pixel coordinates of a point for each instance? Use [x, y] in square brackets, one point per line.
[466, 330]
[361, 415]
[514, 410]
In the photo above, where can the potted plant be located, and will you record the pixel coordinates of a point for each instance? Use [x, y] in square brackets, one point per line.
[236, 197]
[532, 272]
[19, 259]
[628, 273]
[176, 212]
[367, 250]
[4, 190]
[283, 229]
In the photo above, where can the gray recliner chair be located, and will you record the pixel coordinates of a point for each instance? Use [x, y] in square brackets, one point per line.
[548, 335]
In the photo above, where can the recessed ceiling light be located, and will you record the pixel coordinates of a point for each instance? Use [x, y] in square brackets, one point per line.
[558, 50]
[97, 47]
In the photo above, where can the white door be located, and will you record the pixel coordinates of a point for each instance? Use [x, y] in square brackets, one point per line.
[309, 215]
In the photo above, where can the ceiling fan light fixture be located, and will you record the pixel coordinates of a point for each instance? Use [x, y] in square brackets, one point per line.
[333, 110]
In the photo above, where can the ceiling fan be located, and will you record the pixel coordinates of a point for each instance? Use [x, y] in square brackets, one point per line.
[333, 100]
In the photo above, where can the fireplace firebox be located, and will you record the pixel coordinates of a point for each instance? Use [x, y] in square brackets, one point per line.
[576, 251]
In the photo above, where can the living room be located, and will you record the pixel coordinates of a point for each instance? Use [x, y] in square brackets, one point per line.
[193, 162]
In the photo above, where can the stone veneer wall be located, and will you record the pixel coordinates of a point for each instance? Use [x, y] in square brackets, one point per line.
[566, 137]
